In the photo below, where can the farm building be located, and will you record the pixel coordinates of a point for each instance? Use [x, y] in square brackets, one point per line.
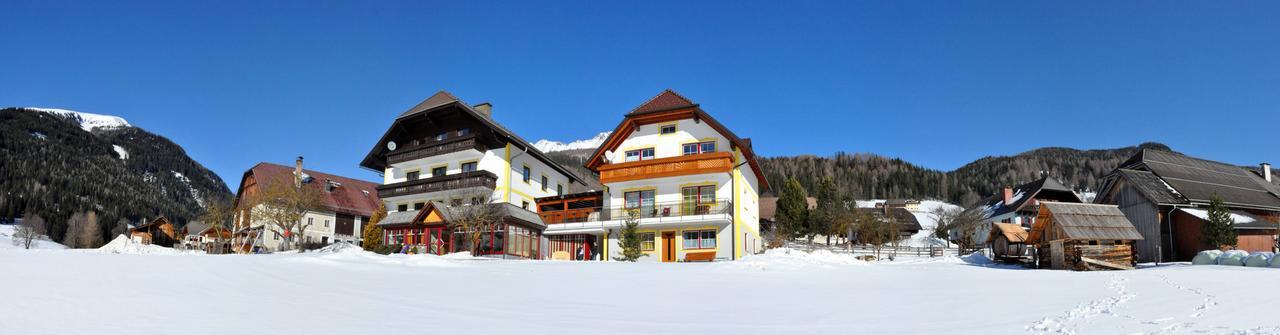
[1008, 242]
[1018, 205]
[1156, 189]
[159, 232]
[1083, 237]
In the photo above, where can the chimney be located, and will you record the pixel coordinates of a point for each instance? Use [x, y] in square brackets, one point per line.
[1266, 171]
[1008, 196]
[297, 172]
[485, 109]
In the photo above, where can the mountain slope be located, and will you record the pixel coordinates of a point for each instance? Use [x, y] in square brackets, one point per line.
[870, 176]
[58, 162]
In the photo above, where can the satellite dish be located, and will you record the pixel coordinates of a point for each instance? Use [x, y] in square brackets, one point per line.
[608, 155]
[391, 145]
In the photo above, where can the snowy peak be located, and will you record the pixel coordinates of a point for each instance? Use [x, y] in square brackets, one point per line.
[88, 121]
[553, 146]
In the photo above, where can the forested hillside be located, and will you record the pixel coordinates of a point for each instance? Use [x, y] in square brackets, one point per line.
[870, 176]
[56, 165]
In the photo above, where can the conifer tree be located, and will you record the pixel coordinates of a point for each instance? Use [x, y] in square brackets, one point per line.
[1219, 230]
[630, 239]
[792, 210]
[371, 235]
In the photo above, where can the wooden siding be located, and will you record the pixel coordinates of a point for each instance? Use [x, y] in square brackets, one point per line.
[667, 167]
[1145, 217]
[346, 224]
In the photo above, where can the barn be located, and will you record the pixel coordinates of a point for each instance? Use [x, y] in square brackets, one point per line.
[1083, 237]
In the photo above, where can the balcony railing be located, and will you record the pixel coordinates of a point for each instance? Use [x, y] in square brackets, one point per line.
[655, 210]
[443, 183]
[433, 148]
[667, 167]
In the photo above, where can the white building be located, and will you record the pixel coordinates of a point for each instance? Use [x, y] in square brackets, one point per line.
[693, 184]
[346, 204]
[444, 152]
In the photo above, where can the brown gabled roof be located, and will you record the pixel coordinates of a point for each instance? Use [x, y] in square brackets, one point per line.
[157, 222]
[351, 196]
[1012, 232]
[665, 101]
[668, 106]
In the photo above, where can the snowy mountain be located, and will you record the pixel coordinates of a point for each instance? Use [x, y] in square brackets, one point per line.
[554, 146]
[88, 121]
[57, 162]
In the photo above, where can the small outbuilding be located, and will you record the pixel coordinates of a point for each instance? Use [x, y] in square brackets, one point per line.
[1008, 242]
[159, 232]
[1083, 237]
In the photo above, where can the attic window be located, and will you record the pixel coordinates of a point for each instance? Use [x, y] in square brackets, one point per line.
[667, 129]
[464, 131]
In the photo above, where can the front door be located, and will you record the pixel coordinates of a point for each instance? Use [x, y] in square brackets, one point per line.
[668, 246]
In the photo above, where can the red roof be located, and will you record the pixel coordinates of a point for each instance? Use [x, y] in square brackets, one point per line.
[667, 100]
[351, 196]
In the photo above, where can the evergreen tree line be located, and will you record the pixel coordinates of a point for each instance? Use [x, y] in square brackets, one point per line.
[79, 185]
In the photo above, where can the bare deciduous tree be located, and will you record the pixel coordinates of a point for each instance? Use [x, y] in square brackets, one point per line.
[29, 232]
[474, 216]
[958, 225]
[83, 231]
[282, 204]
[218, 214]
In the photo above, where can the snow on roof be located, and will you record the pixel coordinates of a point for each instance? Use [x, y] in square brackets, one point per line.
[1204, 215]
[88, 121]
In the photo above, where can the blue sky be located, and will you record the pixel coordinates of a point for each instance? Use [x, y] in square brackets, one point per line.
[939, 84]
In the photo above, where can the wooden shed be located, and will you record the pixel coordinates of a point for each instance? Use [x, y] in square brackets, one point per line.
[1083, 237]
[1008, 242]
[159, 232]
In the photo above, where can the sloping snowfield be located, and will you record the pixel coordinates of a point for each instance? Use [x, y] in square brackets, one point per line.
[354, 292]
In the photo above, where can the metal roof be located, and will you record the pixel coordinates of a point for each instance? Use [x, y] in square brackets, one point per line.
[1198, 180]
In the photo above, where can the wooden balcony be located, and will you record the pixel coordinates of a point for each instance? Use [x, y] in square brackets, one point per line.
[484, 179]
[667, 167]
[434, 148]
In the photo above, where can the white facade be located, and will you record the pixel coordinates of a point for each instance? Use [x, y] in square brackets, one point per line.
[507, 163]
[321, 227]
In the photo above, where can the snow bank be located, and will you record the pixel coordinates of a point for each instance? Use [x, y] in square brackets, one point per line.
[1258, 260]
[124, 245]
[977, 258]
[339, 247]
[1233, 257]
[1207, 257]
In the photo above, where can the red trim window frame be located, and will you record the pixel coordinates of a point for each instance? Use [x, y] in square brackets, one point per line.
[698, 148]
[640, 154]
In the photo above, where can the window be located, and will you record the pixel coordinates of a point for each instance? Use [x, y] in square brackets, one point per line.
[439, 171]
[524, 204]
[639, 155]
[642, 201]
[402, 207]
[525, 174]
[700, 239]
[544, 183]
[419, 205]
[477, 200]
[326, 223]
[697, 200]
[699, 148]
[464, 131]
[646, 241]
[469, 167]
[411, 175]
[442, 136]
[310, 221]
[277, 237]
[559, 189]
[667, 129]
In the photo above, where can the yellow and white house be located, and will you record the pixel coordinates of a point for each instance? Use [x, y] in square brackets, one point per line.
[693, 184]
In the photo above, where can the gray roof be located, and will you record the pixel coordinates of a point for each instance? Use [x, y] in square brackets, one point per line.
[905, 220]
[1152, 187]
[1198, 180]
[394, 218]
[1087, 222]
[1029, 191]
[195, 227]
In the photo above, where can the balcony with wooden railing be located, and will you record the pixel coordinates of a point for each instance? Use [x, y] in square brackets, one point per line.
[434, 148]
[713, 162]
[463, 180]
[662, 211]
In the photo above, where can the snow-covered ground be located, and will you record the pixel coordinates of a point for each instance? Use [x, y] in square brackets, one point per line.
[928, 222]
[347, 291]
[6, 241]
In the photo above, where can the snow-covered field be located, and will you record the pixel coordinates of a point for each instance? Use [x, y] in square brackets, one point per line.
[354, 292]
[6, 241]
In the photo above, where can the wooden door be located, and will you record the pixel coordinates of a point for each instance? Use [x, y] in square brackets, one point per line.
[1056, 257]
[668, 246]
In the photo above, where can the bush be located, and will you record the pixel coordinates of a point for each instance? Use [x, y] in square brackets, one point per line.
[388, 249]
[308, 246]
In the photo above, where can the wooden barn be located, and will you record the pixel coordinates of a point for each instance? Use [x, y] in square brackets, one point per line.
[1083, 237]
[159, 232]
[1008, 242]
